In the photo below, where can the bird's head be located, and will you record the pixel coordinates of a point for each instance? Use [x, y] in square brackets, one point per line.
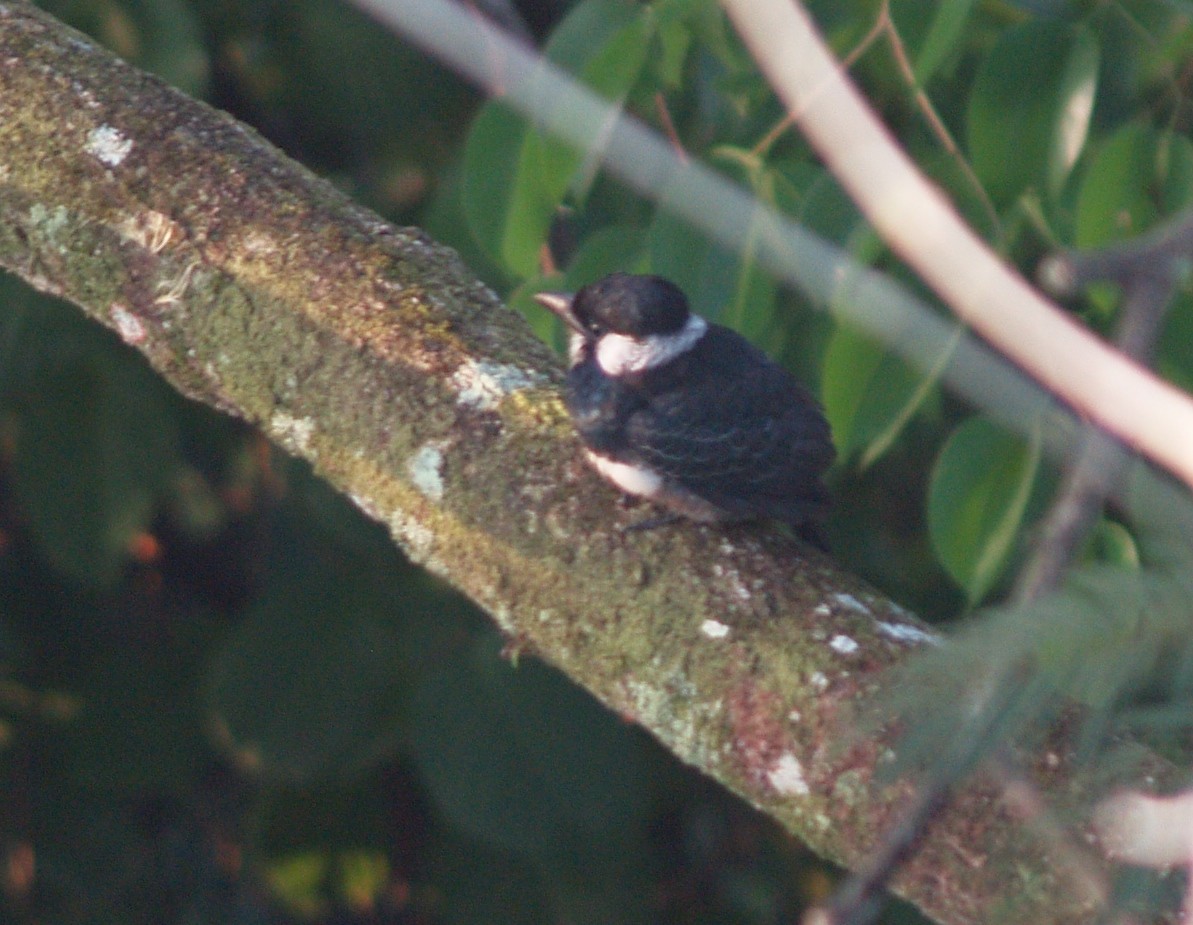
[629, 323]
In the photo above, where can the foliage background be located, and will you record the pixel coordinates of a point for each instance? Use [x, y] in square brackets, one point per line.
[225, 697]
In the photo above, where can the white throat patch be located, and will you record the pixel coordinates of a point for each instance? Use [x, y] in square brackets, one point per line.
[620, 355]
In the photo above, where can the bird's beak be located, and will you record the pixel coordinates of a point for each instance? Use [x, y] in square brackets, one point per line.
[560, 304]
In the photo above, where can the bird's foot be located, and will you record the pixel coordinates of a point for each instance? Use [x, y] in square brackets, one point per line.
[650, 523]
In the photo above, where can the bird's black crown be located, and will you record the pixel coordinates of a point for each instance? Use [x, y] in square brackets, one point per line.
[636, 306]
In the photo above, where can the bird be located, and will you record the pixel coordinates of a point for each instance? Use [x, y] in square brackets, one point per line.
[687, 413]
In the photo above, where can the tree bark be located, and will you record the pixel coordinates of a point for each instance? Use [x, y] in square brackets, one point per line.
[372, 352]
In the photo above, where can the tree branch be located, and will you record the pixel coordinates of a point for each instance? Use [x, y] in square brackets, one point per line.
[370, 351]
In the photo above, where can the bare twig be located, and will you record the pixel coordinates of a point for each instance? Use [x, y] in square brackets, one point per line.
[884, 27]
[935, 123]
[1101, 460]
[1147, 269]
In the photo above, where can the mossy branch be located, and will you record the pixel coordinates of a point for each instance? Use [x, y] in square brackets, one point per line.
[371, 351]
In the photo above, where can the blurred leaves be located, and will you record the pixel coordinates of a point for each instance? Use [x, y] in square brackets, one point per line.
[869, 394]
[515, 177]
[160, 36]
[945, 36]
[481, 731]
[95, 454]
[1030, 109]
[1139, 174]
[311, 683]
[980, 488]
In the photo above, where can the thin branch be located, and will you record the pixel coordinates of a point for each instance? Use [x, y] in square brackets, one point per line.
[1147, 269]
[668, 125]
[1165, 252]
[1101, 461]
[935, 123]
[859, 899]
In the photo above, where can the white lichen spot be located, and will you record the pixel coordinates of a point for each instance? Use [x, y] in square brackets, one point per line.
[787, 777]
[794, 716]
[128, 325]
[257, 242]
[366, 505]
[51, 222]
[293, 433]
[850, 602]
[416, 540]
[818, 680]
[503, 617]
[79, 43]
[843, 645]
[822, 610]
[108, 145]
[714, 629]
[906, 632]
[426, 470]
[484, 385]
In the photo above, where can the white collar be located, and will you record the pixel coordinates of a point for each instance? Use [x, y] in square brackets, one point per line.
[621, 355]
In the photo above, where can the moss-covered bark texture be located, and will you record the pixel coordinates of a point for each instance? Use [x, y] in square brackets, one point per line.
[372, 352]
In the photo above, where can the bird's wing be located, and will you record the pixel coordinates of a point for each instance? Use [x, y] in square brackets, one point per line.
[756, 447]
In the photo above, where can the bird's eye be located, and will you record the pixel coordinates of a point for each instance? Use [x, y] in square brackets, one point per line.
[595, 329]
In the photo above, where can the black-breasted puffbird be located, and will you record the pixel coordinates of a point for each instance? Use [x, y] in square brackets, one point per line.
[687, 413]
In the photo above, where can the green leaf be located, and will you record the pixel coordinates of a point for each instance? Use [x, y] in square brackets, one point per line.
[977, 497]
[610, 248]
[515, 177]
[943, 38]
[97, 446]
[870, 394]
[830, 212]
[1176, 343]
[491, 157]
[310, 685]
[522, 759]
[1030, 107]
[675, 41]
[1113, 544]
[1138, 175]
[731, 288]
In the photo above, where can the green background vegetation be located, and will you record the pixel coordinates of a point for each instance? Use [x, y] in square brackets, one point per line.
[225, 697]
